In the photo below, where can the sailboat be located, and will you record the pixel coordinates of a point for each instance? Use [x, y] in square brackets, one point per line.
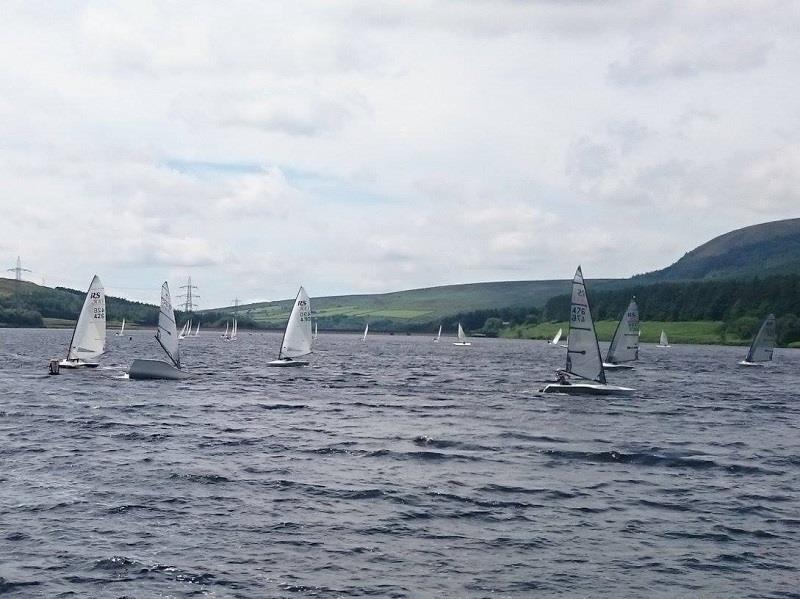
[89, 337]
[583, 352]
[556, 338]
[121, 331]
[315, 336]
[438, 335]
[624, 346]
[663, 342]
[462, 338]
[167, 337]
[296, 340]
[225, 334]
[197, 331]
[187, 327]
[763, 344]
[234, 330]
[366, 330]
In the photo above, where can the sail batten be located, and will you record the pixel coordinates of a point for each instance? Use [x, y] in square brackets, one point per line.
[297, 337]
[764, 342]
[89, 335]
[583, 351]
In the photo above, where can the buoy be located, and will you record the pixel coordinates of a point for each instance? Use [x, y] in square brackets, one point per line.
[54, 367]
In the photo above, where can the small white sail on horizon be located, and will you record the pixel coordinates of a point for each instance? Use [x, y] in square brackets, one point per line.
[625, 342]
[315, 336]
[557, 337]
[197, 331]
[366, 330]
[225, 334]
[663, 341]
[234, 330]
[583, 352]
[462, 337]
[438, 335]
[763, 345]
[121, 329]
[297, 336]
[89, 335]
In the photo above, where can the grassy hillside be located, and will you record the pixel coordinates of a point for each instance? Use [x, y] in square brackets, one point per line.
[703, 331]
[408, 310]
[760, 250]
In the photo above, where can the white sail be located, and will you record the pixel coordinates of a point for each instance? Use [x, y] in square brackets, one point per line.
[764, 342]
[439, 334]
[167, 333]
[557, 337]
[663, 341]
[316, 330]
[234, 328]
[625, 343]
[583, 352]
[461, 335]
[226, 330]
[122, 328]
[89, 337]
[366, 330]
[297, 337]
[197, 331]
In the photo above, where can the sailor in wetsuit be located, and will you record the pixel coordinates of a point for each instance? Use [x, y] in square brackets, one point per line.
[561, 377]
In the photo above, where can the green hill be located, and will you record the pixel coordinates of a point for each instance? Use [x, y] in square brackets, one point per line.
[416, 309]
[760, 250]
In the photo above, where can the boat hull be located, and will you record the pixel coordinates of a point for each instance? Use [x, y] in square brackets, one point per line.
[462, 343]
[746, 363]
[612, 366]
[287, 363]
[154, 370]
[587, 389]
[74, 364]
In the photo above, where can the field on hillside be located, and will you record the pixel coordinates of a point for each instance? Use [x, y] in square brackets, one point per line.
[696, 332]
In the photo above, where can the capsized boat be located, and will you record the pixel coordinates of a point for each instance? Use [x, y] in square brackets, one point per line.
[624, 347]
[462, 337]
[121, 331]
[89, 336]
[663, 341]
[296, 340]
[167, 337]
[583, 352]
[763, 344]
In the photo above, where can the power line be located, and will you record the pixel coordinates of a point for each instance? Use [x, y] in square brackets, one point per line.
[18, 270]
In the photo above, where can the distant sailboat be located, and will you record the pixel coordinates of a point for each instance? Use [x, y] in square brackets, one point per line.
[438, 335]
[187, 326]
[121, 329]
[315, 336]
[763, 344]
[557, 337]
[197, 331]
[167, 337]
[663, 342]
[89, 336]
[624, 346]
[583, 352]
[462, 338]
[296, 340]
[234, 330]
[366, 330]
[225, 334]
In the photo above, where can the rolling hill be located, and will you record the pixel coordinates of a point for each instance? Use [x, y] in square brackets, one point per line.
[767, 249]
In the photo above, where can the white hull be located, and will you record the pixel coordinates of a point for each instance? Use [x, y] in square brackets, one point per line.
[663, 345]
[746, 363]
[462, 343]
[154, 369]
[77, 364]
[609, 366]
[287, 363]
[587, 389]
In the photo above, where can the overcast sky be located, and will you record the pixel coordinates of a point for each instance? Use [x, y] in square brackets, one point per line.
[375, 146]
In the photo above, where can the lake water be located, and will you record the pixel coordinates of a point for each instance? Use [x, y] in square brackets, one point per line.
[395, 468]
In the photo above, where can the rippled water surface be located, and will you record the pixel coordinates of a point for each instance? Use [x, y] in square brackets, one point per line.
[396, 467]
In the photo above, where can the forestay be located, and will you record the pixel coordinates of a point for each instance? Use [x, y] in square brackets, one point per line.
[625, 344]
[297, 338]
[167, 333]
[89, 336]
[583, 352]
[764, 343]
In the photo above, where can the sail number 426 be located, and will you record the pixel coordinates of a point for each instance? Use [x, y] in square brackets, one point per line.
[578, 314]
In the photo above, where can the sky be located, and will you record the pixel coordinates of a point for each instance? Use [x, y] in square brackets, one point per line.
[372, 146]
